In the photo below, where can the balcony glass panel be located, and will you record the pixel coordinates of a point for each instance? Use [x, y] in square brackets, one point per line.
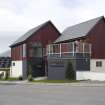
[69, 48]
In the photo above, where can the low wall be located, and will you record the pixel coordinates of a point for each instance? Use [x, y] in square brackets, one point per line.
[85, 75]
[94, 68]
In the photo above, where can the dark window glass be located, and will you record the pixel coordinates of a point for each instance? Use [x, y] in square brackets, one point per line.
[13, 64]
[98, 63]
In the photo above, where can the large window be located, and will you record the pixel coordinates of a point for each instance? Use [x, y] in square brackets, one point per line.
[35, 52]
[56, 48]
[38, 52]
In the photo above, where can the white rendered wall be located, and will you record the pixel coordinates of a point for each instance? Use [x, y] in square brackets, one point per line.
[97, 69]
[88, 75]
[95, 73]
[16, 70]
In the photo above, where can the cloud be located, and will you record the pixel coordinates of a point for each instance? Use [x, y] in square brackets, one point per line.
[24, 14]
[18, 16]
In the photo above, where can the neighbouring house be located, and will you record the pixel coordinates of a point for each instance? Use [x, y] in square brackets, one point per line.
[28, 53]
[5, 64]
[83, 45]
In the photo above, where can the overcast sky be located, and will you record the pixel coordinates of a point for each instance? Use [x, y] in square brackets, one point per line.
[18, 16]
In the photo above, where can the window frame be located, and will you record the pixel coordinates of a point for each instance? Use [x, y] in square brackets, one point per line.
[98, 63]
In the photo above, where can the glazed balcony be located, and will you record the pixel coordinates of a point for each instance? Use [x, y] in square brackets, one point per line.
[71, 50]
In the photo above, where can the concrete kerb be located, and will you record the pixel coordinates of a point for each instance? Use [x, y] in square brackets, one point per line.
[81, 84]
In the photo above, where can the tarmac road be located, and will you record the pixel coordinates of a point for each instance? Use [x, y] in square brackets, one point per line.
[40, 94]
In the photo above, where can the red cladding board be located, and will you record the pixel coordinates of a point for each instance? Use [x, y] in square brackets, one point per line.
[97, 38]
[65, 47]
[16, 52]
[45, 36]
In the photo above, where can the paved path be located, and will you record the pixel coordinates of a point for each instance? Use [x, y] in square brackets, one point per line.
[52, 94]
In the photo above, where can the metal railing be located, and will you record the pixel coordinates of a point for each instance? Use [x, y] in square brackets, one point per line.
[66, 48]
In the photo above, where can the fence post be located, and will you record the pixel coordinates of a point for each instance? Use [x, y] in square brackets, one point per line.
[60, 50]
[83, 48]
[49, 50]
[90, 48]
[73, 48]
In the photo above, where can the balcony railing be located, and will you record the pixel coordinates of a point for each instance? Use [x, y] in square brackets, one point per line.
[68, 48]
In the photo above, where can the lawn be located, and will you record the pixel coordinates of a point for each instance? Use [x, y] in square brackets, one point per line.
[54, 81]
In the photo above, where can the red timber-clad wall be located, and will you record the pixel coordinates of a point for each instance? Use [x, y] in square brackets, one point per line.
[16, 52]
[97, 38]
[45, 35]
[65, 47]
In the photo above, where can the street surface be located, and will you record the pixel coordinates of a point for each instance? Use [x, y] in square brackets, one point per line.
[49, 94]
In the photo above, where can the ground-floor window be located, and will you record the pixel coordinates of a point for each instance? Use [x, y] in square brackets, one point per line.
[13, 63]
[98, 63]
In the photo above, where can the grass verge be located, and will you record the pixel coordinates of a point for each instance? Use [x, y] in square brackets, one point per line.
[9, 79]
[54, 81]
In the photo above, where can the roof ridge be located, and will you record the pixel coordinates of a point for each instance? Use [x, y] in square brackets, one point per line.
[100, 17]
[39, 25]
[29, 33]
[78, 30]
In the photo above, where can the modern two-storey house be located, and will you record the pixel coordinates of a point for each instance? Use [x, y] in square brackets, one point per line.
[28, 53]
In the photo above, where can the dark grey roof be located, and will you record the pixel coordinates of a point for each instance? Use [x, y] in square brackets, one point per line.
[78, 30]
[28, 34]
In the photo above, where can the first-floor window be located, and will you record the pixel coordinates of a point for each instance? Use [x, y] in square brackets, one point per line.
[35, 52]
[98, 63]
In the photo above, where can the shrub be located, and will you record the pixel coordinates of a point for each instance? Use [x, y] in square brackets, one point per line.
[6, 75]
[13, 79]
[70, 72]
[30, 70]
[20, 78]
[30, 78]
[1, 76]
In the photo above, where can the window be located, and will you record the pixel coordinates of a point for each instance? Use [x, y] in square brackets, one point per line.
[56, 48]
[35, 52]
[98, 63]
[13, 63]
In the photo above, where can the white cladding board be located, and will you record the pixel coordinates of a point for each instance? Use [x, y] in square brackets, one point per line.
[94, 68]
[16, 69]
[88, 75]
[24, 50]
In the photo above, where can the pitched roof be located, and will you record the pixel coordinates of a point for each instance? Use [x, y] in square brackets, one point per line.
[79, 30]
[29, 33]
